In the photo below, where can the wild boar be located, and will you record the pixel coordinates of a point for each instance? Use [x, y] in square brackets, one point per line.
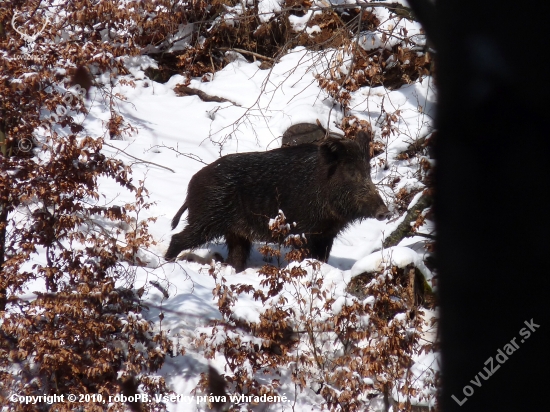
[306, 133]
[322, 188]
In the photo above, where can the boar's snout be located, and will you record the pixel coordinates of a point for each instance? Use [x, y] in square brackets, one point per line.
[372, 204]
[382, 213]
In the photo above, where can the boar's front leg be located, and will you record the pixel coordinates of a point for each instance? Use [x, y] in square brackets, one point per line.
[238, 250]
[320, 247]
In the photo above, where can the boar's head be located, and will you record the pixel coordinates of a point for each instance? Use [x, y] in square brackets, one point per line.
[351, 192]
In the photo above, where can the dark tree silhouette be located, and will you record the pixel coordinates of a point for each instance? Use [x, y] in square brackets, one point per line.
[492, 219]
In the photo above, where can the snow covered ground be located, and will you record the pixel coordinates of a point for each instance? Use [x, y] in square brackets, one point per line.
[267, 103]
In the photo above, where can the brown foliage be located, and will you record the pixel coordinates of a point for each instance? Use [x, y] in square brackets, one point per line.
[327, 346]
[85, 333]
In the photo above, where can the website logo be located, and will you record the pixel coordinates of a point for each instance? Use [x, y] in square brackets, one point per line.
[26, 30]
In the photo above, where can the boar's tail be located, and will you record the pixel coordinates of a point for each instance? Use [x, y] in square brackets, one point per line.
[176, 218]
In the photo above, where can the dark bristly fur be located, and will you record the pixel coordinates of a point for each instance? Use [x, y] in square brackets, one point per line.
[306, 133]
[323, 188]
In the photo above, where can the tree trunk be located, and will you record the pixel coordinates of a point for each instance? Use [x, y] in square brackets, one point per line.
[490, 210]
[404, 228]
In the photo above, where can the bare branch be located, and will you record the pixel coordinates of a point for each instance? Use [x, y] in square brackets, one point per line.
[242, 51]
[182, 90]
[137, 158]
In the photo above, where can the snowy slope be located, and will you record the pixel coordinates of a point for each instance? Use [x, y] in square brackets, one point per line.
[267, 103]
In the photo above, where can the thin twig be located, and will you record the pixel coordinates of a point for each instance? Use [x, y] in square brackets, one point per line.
[137, 158]
[188, 155]
[242, 51]
[349, 71]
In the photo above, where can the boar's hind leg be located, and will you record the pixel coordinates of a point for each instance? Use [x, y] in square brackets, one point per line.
[319, 247]
[239, 249]
[186, 239]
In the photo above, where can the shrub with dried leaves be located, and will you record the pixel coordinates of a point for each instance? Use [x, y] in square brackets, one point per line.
[344, 348]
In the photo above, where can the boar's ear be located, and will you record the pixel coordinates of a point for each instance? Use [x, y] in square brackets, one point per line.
[363, 139]
[331, 150]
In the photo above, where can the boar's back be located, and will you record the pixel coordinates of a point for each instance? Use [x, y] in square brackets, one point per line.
[306, 133]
